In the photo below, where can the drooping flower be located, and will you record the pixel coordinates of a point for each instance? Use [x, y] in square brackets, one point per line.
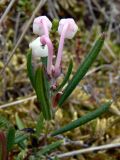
[43, 47]
[38, 49]
[42, 25]
[67, 29]
[46, 41]
[71, 27]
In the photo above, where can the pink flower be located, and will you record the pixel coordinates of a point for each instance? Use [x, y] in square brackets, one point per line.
[71, 27]
[45, 40]
[42, 25]
[67, 29]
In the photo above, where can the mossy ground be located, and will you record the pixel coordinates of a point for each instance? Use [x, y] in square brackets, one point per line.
[98, 86]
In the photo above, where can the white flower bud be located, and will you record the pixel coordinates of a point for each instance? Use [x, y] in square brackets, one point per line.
[39, 25]
[38, 50]
[72, 27]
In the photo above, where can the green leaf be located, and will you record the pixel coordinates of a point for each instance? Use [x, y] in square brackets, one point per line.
[44, 61]
[4, 123]
[84, 119]
[19, 123]
[49, 148]
[46, 87]
[22, 145]
[30, 69]
[10, 138]
[40, 124]
[20, 137]
[66, 76]
[42, 94]
[83, 68]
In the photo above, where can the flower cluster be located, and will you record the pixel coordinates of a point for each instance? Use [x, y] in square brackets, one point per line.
[43, 47]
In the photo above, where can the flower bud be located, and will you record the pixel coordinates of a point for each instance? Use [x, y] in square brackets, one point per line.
[71, 29]
[41, 25]
[38, 49]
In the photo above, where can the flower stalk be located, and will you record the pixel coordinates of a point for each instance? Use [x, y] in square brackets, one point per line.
[60, 51]
[45, 40]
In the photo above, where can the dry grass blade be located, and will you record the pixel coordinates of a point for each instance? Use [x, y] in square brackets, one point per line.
[110, 50]
[41, 3]
[17, 102]
[104, 66]
[91, 10]
[7, 11]
[81, 151]
[100, 9]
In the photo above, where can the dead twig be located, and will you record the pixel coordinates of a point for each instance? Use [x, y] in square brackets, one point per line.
[91, 149]
[91, 10]
[98, 68]
[110, 50]
[7, 11]
[17, 102]
[17, 26]
[51, 9]
[101, 10]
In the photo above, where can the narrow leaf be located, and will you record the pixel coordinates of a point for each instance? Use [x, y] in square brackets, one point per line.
[10, 138]
[66, 76]
[19, 123]
[83, 68]
[49, 148]
[46, 87]
[42, 94]
[84, 119]
[30, 68]
[40, 124]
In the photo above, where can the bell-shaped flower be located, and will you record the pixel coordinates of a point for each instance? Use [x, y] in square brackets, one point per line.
[42, 25]
[71, 27]
[67, 29]
[38, 49]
